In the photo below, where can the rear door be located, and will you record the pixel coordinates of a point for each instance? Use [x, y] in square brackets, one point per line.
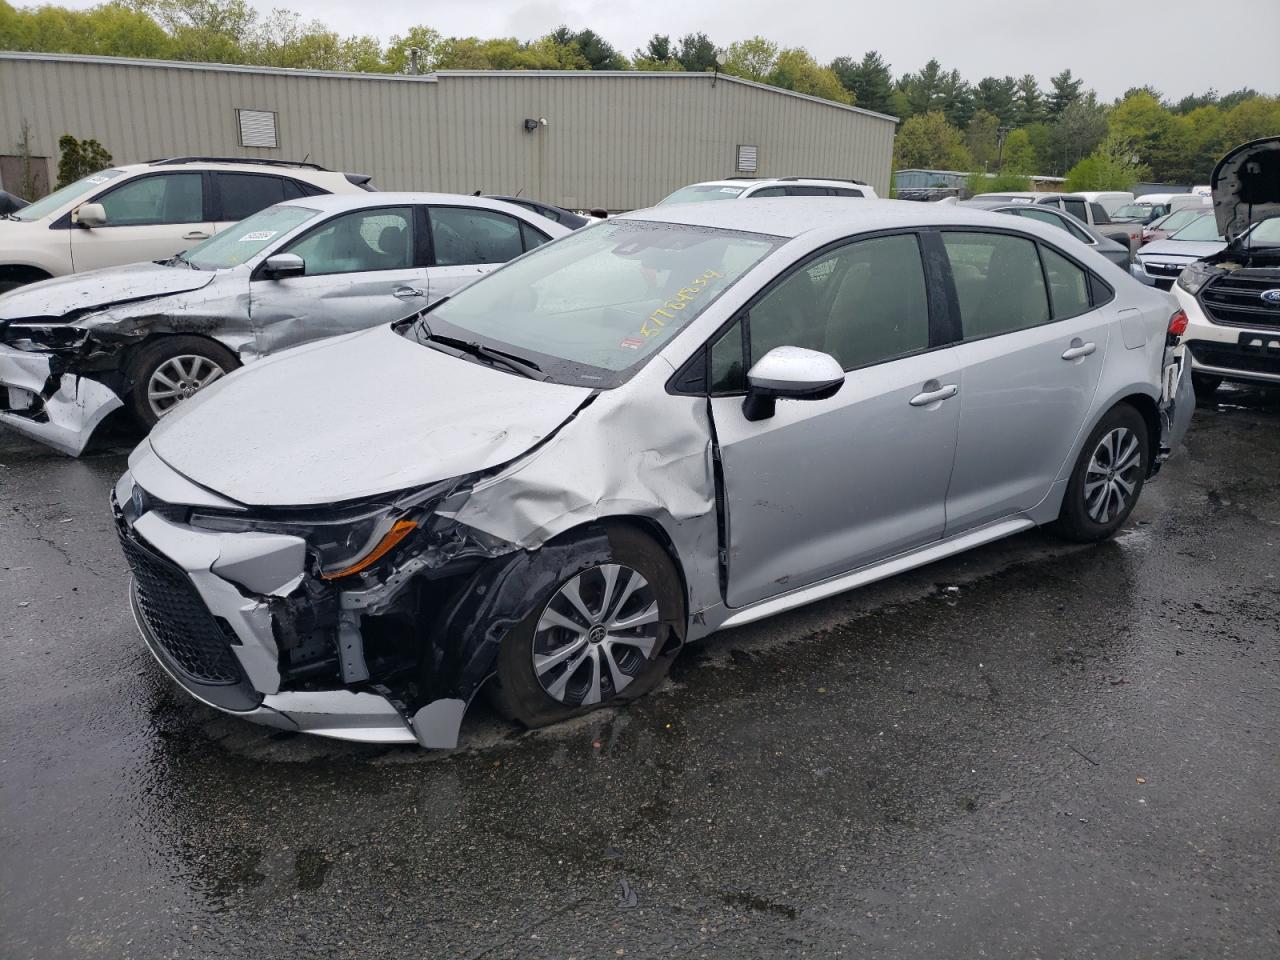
[363, 268]
[150, 217]
[237, 195]
[468, 242]
[825, 486]
[1034, 343]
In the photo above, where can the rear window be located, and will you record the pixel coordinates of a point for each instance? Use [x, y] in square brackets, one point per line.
[703, 191]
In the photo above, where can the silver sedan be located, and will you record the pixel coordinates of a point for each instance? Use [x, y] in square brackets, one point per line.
[679, 420]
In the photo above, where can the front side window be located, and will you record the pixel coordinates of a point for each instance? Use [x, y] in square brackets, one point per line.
[248, 238]
[47, 205]
[769, 192]
[998, 282]
[358, 242]
[168, 198]
[464, 235]
[863, 303]
[1068, 285]
[602, 300]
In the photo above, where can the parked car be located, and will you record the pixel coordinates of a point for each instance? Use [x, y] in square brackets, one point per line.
[1171, 223]
[566, 218]
[569, 469]
[1153, 206]
[150, 335]
[1117, 253]
[147, 211]
[1232, 297]
[1159, 263]
[1086, 211]
[1109, 200]
[762, 187]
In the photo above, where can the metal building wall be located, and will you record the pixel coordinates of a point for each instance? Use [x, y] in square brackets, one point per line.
[614, 140]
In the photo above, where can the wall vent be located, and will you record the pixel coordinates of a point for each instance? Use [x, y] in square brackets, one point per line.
[747, 157]
[257, 128]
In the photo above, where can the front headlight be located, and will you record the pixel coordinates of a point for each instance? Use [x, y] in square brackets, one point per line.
[1195, 275]
[344, 540]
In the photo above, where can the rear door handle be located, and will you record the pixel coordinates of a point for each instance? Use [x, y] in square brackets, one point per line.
[195, 235]
[407, 293]
[934, 392]
[1079, 349]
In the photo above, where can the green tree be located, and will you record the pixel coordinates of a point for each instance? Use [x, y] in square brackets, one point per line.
[795, 69]
[1142, 122]
[1066, 91]
[658, 48]
[1019, 154]
[1079, 129]
[696, 52]
[1248, 120]
[981, 138]
[428, 43]
[869, 80]
[79, 158]
[1028, 101]
[955, 99]
[1004, 182]
[1110, 167]
[997, 95]
[596, 51]
[751, 59]
[922, 92]
[928, 142]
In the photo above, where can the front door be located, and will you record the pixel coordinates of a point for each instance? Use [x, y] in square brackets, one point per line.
[1031, 360]
[151, 217]
[361, 271]
[825, 486]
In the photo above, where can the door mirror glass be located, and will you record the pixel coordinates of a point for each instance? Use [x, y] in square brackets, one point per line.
[790, 373]
[91, 215]
[282, 265]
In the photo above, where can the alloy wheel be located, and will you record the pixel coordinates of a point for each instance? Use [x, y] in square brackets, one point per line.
[595, 635]
[1112, 475]
[179, 378]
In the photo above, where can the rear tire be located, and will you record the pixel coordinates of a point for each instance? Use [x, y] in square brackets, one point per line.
[1205, 386]
[599, 637]
[1107, 479]
[168, 370]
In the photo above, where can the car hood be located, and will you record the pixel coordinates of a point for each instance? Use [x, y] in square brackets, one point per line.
[1177, 249]
[65, 298]
[356, 416]
[1246, 186]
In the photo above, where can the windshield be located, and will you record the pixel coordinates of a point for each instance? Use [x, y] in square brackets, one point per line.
[703, 191]
[1133, 211]
[246, 239]
[1203, 228]
[59, 198]
[591, 306]
[1265, 233]
[1178, 219]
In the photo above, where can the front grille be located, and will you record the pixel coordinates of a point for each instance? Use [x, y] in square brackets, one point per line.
[1255, 357]
[1163, 269]
[1236, 300]
[197, 644]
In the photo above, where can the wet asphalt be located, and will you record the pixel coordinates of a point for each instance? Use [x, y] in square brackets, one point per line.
[1032, 751]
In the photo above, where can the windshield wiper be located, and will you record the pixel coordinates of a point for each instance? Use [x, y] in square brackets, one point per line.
[526, 368]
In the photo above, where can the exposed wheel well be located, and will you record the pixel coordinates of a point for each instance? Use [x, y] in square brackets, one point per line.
[1151, 415]
[12, 274]
[654, 530]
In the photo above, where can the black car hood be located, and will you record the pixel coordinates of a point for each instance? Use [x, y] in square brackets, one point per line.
[1246, 186]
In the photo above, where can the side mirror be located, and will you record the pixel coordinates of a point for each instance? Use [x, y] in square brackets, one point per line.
[790, 373]
[283, 265]
[91, 215]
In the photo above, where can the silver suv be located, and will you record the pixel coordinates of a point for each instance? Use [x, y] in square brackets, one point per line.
[149, 211]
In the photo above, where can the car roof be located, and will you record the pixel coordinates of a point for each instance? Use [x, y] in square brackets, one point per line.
[746, 182]
[794, 216]
[333, 202]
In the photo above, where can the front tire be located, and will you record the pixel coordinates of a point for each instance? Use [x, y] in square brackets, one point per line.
[169, 370]
[601, 636]
[1107, 478]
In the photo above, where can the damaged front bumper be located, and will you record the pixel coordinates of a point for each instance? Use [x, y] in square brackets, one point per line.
[225, 615]
[41, 399]
[1177, 403]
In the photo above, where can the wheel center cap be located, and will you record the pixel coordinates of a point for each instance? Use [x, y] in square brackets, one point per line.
[596, 634]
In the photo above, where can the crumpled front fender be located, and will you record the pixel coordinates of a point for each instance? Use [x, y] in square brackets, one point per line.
[61, 411]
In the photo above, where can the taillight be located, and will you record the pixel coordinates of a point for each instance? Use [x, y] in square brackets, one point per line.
[1178, 324]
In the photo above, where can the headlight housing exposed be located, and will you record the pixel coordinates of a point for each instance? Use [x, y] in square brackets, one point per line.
[344, 540]
[1195, 275]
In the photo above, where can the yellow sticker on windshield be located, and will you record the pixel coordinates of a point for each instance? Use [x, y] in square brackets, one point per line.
[670, 309]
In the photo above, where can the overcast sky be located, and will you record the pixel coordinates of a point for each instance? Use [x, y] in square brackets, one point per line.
[1173, 45]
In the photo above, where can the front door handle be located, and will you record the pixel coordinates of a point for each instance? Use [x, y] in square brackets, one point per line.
[1079, 349]
[407, 293]
[195, 235]
[934, 392]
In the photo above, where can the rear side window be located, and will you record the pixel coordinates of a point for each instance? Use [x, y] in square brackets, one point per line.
[1077, 208]
[1054, 220]
[465, 236]
[1068, 285]
[1099, 213]
[998, 282]
[801, 190]
[532, 238]
[245, 193]
[846, 192]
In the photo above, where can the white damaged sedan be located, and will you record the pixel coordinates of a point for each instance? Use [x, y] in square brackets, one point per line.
[682, 419]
